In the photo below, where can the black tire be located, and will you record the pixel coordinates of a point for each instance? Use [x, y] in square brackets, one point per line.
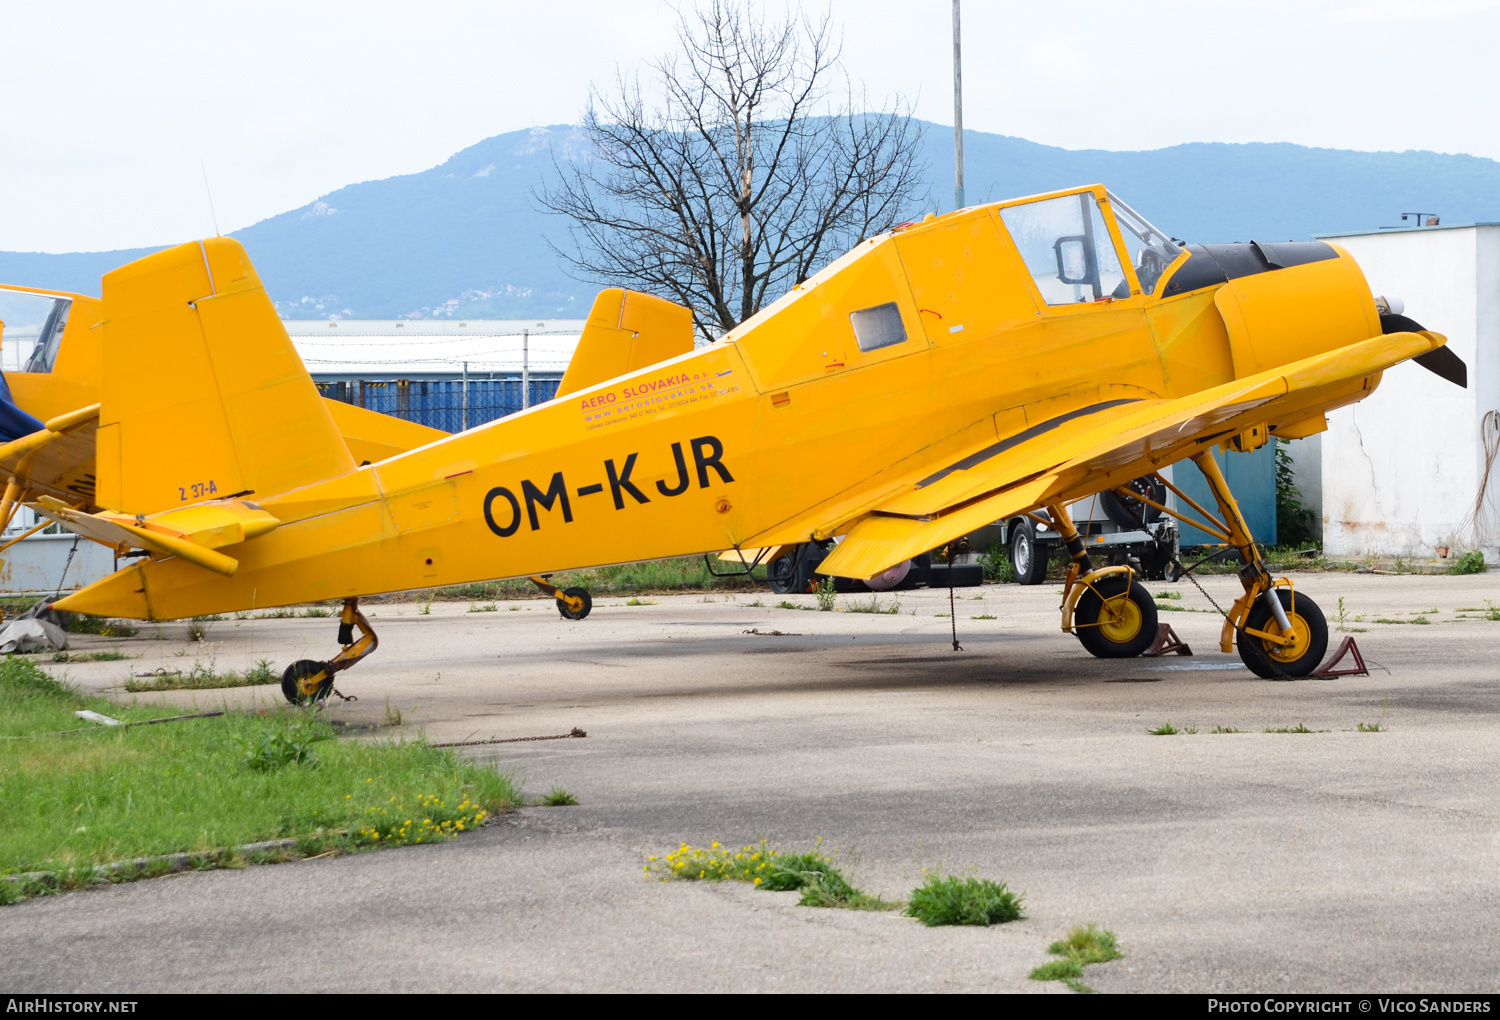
[296, 671]
[1132, 513]
[1028, 556]
[575, 614]
[783, 575]
[1126, 630]
[1303, 657]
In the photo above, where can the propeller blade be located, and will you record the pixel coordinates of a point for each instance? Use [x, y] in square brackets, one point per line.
[1441, 362]
[1445, 364]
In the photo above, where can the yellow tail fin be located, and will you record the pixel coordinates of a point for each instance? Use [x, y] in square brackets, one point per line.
[626, 330]
[203, 395]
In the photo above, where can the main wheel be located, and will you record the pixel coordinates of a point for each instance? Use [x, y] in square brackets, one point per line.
[1132, 513]
[296, 671]
[1300, 657]
[1114, 621]
[783, 575]
[575, 614]
[1027, 555]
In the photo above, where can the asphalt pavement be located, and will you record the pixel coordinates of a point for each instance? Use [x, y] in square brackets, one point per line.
[1337, 860]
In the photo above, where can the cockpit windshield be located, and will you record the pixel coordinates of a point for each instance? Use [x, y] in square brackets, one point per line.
[31, 328]
[1150, 251]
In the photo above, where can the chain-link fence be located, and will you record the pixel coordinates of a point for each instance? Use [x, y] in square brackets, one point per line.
[448, 404]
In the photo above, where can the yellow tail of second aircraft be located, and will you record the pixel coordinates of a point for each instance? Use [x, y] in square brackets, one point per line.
[203, 395]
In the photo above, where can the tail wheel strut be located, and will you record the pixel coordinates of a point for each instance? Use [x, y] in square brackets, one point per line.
[572, 603]
[308, 681]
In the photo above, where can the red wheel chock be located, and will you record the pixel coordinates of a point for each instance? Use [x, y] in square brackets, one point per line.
[1167, 642]
[1348, 647]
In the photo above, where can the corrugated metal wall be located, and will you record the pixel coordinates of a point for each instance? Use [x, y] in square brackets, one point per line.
[439, 403]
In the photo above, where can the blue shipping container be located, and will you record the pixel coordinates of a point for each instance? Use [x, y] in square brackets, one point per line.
[1252, 479]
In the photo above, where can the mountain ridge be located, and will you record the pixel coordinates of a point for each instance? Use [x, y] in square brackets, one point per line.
[464, 238]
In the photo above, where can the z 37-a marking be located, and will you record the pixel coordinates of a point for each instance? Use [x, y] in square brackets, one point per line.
[197, 490]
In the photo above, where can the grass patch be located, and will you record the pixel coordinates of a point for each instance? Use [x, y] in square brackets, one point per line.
[787, 605]
[107, 794]
[1175, 596]
[1081, 947]
[201, 677]
[682, 573]
[487, 607]
[89, 656]
[641, 602]
[997, 565]
[1299, 728]
[1468, 563]
[1419, 620]
[948, 899]
[1166, 729]
[985, 616]
[83, 623]
[874, 606]
[557, 797]
[812, 873]
[1225, 729]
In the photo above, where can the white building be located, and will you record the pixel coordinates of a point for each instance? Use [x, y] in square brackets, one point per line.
[1403, 470]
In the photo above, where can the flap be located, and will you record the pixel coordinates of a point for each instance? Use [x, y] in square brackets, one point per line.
[881, 540]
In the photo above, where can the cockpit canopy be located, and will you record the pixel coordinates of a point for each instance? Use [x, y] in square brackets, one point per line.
[1072, 255]
[33, 329]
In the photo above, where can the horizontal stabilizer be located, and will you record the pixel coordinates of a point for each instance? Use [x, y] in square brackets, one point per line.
[120, 532]
[372, 436]
[626, 331]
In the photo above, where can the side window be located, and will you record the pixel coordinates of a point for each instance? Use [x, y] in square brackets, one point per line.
[878, 327]
[31, 329]
[1067, 249]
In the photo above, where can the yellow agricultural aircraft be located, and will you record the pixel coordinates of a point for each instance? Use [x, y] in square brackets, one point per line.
[1001, 360]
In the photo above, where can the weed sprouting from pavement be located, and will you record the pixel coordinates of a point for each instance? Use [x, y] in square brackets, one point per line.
[812, 873]
[826, 594]
[1175, 596]
[949, 899]
[424, 606]
[201, 677]
[1081, 947]
[487, 607]
[874, 606]
[1225, 729]
[558, 797]
[637, 601]
[985, 616]
[1299, 728]
[1166, 729]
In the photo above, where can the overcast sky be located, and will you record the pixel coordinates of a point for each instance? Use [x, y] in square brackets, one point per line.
[107, 109]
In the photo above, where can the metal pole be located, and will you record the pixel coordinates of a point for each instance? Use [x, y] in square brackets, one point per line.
[466, 397]
[525, 369]
[958, 115]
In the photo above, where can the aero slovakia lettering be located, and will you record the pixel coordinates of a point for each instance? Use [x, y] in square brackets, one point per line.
[502, 508]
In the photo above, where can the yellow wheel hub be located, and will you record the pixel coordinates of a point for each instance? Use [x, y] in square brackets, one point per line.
[1120, 619]
[1301, 636]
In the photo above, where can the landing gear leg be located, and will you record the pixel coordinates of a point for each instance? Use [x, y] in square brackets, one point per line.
[308, 681]
[572, 603]
[1109, 611]
[1280, 633]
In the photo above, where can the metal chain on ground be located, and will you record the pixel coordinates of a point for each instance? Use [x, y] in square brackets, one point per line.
[575, 732]
[66, 565]
[952, 612]
[1269, 659]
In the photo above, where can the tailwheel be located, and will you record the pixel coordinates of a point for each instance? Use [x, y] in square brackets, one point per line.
[1115, 618]
[574, 603]
[300, 684]
[1299, 657]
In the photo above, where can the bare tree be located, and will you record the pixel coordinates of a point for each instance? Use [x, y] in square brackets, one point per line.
[756, 169]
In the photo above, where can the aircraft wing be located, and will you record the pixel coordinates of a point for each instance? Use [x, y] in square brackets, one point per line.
[1082, 451]
[57, 460]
